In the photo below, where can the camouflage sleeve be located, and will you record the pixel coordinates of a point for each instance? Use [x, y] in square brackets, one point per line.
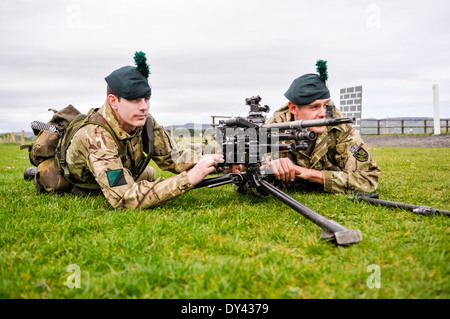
[115, 181]
[167, 154]
[359, 171]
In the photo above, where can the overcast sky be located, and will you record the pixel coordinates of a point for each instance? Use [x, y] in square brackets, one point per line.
[206, 57]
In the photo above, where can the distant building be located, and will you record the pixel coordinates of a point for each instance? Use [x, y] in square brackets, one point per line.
[351, 104]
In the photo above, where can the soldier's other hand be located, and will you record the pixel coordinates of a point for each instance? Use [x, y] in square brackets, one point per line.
[204, 167]
[236, 168]
[283, 169]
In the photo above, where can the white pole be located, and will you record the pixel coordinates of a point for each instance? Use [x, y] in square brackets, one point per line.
[437, 120]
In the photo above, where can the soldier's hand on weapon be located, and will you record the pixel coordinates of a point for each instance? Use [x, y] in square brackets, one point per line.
[284, 169]
[310, 174]
[204, 167]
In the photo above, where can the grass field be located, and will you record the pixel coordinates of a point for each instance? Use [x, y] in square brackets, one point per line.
[215, 243]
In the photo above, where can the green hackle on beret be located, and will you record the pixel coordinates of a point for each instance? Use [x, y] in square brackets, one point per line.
[309, 87]
[141, 63]
[322, 69]
[130, 82]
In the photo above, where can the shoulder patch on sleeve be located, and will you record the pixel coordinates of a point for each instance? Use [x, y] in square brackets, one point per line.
[116, 177]
[361, 155]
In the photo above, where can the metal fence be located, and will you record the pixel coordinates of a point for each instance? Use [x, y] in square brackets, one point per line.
[401, 126]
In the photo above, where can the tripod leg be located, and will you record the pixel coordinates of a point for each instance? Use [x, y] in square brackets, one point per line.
[422, 210]
[235, 178]
[332, 229]
[215, 181]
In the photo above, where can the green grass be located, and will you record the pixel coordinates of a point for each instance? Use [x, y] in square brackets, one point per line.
[215, 243]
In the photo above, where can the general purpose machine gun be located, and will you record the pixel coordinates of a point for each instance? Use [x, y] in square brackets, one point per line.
[246, 140]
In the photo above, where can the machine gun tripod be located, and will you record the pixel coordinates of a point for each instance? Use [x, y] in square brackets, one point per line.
[244, 141]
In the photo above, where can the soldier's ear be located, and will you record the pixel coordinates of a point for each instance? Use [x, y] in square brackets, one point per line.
[112, 100]
[293, 108]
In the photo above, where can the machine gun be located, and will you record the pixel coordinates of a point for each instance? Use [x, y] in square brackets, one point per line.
[246, 140]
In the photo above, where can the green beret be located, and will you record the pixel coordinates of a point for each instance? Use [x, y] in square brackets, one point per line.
[309, 87]
[129, 83]
[306, 89]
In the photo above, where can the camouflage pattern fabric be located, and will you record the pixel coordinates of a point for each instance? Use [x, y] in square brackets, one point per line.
[340, 153]
[93, 157]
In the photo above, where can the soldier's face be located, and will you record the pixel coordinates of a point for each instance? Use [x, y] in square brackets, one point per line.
[130, 113]
[312, 111]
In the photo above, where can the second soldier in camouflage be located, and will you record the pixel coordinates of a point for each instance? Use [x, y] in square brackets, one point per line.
[339, 160]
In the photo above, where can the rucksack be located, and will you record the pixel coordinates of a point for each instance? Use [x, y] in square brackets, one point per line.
[42, 152]
[46, 142]
[48, 151]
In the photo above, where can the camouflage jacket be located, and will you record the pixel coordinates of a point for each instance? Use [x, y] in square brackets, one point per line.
[93, 157]
[344, 159]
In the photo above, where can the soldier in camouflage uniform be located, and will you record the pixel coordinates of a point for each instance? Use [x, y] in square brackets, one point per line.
[93, 156]
[338, 161]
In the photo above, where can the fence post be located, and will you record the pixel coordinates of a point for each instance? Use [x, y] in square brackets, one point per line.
[437, 122]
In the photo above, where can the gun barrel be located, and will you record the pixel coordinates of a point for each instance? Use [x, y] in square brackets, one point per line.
[296, 135]
[301, 124]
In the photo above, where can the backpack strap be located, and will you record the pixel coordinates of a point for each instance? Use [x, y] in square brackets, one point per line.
[63, 144]
[148, 140]
[98, 119]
